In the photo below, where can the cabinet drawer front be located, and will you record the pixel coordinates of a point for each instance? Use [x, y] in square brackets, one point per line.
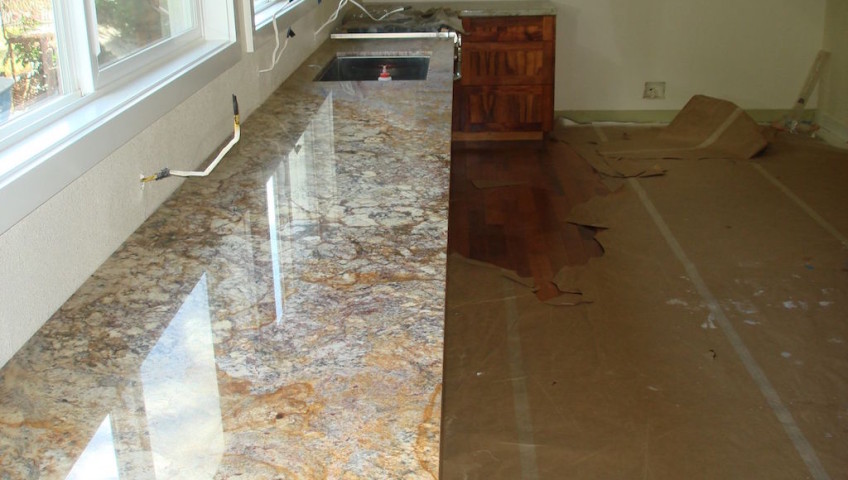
[507, 64]
[508, 29]
[512, 108]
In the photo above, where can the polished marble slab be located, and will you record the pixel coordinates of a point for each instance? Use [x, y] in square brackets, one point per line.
[281, 318]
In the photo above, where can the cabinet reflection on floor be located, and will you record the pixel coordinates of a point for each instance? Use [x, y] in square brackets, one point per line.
[509, 204]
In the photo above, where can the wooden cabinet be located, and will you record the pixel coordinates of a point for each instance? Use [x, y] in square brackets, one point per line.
[507, 87]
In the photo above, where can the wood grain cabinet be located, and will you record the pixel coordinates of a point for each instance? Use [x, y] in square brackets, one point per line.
[507, 87]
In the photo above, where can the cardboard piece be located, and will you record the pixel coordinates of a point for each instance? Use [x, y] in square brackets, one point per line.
[527, 282]
[616, 168]
[642, 382]
[568, 299]
[706, 128]
[567, 279]
[612, 170]
[567, 283]
[568, 295]
[596, 213]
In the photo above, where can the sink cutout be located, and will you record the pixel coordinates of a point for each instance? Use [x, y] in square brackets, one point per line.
[368, 68]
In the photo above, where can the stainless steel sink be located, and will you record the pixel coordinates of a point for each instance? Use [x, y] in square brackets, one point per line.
[368, 68]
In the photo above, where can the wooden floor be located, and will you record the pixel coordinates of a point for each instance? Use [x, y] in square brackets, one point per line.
[515, 216]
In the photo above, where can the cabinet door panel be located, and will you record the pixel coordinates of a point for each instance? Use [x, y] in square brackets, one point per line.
[507, 85]
[507, 63]
[511, 108]
[508, 29]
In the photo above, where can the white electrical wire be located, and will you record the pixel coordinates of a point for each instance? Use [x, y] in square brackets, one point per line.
[166, 172]
[399, 9]
[275, 57]
[342, 4]
[236, 136]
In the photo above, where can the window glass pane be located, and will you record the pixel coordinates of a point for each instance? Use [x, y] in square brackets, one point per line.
[30, 70]
[125, 27]
[260, 4]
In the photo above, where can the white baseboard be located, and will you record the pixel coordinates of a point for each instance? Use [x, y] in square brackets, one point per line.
[832, 131]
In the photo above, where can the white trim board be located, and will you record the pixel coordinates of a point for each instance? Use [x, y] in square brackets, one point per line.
[832, 131]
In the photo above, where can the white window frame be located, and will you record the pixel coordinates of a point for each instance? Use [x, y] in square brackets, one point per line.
[146, 56]
[81, 75]
[72, 134]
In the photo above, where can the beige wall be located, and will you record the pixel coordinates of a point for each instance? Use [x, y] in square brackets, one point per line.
[753, 52]
[833, 109]
[50, 253]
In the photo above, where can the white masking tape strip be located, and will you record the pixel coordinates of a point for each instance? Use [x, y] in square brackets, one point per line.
[805, 450]
[523, 419]
[721, 129]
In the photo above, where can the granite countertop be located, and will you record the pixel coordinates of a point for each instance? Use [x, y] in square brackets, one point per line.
[281, 318]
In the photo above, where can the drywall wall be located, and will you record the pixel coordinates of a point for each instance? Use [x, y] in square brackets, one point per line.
[755, 53]
[833, 108]
[51, 252]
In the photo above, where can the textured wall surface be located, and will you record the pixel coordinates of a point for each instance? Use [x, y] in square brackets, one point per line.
[754, 53]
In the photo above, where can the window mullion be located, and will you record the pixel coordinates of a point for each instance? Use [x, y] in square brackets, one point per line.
[75, 34]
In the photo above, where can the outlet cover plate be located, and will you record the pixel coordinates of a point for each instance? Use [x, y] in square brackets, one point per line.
[654, 90]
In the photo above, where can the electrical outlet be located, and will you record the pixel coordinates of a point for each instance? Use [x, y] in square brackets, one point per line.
[654, 90]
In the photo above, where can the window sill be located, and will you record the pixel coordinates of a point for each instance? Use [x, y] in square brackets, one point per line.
[58, 154]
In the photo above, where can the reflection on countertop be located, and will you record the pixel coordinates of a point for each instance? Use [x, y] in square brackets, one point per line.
[281, 318]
